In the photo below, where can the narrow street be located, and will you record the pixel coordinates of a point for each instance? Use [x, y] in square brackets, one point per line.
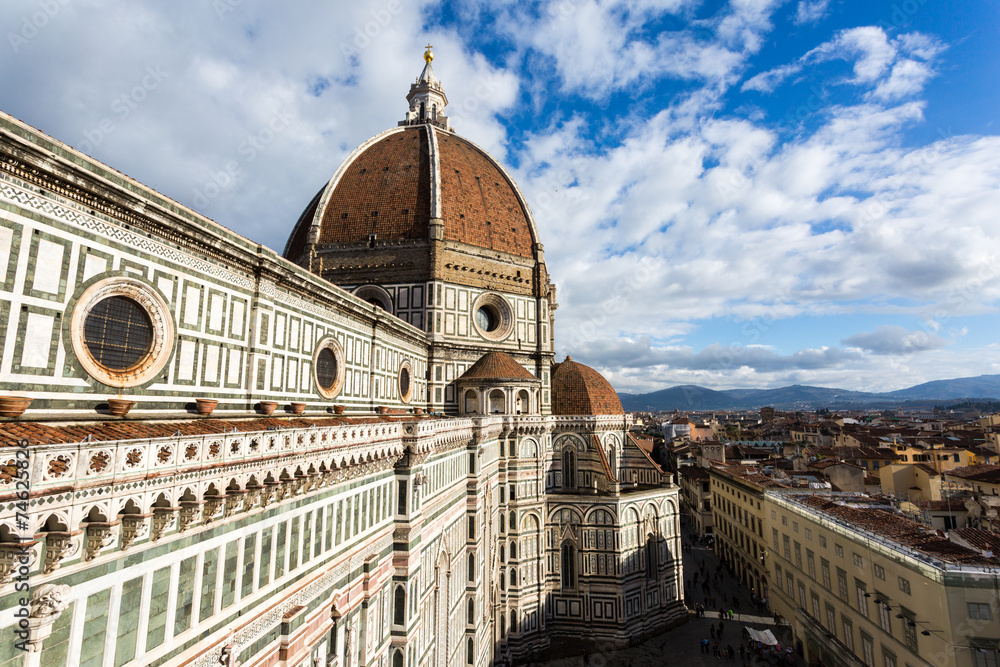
[681, 645]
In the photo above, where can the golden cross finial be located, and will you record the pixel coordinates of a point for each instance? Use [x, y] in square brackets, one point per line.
[428, 56]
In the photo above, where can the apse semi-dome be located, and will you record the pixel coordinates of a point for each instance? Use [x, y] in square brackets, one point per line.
[580, 390]
[412, 187]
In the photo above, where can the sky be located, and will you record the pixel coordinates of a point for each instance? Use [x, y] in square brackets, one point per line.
[751, 193]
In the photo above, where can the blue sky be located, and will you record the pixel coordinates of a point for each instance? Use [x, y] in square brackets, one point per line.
[733, 194]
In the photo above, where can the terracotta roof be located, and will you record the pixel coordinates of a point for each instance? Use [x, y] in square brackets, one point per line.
[478, 205]
[897, 528]
[55, 432]
[497, 366]
[979, 539]
[645, 445]
[596, 442]
[927, 468]
[984, 472]
[580, 390]
[386, 190]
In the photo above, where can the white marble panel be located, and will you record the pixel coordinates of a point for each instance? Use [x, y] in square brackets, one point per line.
[185, 370]
[93, 265]
[37, 340]
[48, 267]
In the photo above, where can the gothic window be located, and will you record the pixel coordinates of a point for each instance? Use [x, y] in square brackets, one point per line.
[651, 557]
[397, 659]
[569, 468]
[470, 651]
[472, 567]
[399, 606]
[513, 621]
[471, 612]
[568, 565]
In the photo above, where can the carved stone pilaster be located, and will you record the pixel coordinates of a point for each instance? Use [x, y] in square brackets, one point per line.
[268, 495]
[134, 526]
[163, 518]
[47, 603]
[100, 535]
[212, 506]
[234, 501]
[190, 510]
[14, 555]
[252, 498]
[58, 546]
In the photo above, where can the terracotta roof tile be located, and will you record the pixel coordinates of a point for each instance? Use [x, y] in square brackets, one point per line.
[497, 366]
[580, 390]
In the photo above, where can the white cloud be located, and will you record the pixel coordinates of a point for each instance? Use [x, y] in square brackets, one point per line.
[811, 11]
[891, 339]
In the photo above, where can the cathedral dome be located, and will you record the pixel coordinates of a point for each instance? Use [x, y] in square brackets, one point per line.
[401, 183]
[416, 185]
[580, 390]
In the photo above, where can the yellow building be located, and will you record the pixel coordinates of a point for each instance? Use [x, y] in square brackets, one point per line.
[738, 520]
[862, 585]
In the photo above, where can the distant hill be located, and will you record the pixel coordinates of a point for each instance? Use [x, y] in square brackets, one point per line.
[692, 397]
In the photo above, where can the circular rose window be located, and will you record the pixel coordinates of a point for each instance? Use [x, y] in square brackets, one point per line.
[492, 317]
[122, 332]
[328, 367]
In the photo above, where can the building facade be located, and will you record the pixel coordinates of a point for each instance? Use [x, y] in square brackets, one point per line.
[359, 452]
[862, 585]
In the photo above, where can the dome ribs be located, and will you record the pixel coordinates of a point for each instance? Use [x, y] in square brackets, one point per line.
[385, 192]
[479, 206]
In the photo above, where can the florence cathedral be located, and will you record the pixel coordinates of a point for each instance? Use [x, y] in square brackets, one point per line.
[358, 452]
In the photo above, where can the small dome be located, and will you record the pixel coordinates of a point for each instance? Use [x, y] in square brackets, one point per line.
[580, 390]
[498, 366]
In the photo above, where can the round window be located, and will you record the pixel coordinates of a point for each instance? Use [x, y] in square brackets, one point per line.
[487, 319]
[492, 317]
[328, 367]
[405, 382]
[121, 331]
[118, 333]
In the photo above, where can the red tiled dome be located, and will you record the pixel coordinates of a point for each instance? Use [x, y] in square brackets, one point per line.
[580, 390]
[397, 182]
[498, 366]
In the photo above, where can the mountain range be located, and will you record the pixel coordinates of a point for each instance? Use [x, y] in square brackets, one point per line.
[692, 397]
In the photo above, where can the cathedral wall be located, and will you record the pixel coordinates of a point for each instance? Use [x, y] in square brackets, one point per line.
[229, 320]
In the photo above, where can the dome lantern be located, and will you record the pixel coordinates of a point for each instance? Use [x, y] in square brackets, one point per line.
[426, 98]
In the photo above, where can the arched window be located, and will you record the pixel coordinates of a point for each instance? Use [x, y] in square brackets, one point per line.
[472, 567]
[503, 554]
[613, 461]
[651, 557]
[503, 627]
[513, 621]
[471, 612]
[397, 659]
[513, 549]
[503, 582]
[568, 565]
[523, 402]
[471, 404]
[502, 530]
[569, 468]
[513, 520]
[423, 111]
[470, 651]
[399, 606]
[513, 577]
[497, 403]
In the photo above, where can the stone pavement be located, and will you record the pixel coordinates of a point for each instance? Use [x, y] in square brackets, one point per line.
[680, 646]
